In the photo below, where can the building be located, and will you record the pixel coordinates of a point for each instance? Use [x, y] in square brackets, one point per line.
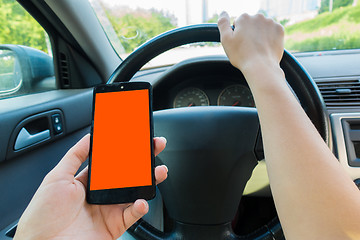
[291, 10]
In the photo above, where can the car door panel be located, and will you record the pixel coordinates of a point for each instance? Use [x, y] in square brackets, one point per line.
[73, 105]
[22, 170]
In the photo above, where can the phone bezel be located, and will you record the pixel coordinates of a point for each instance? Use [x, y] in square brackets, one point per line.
[130, 194]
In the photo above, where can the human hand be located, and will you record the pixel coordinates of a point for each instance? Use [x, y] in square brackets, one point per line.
[255, 40]
[59, 210]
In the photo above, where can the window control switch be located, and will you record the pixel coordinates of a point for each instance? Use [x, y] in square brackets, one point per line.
[57, 123]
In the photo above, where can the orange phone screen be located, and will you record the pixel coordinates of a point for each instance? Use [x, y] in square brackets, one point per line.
[121, 150]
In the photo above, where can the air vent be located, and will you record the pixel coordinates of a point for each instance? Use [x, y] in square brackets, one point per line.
[64, 71]
[340, 92]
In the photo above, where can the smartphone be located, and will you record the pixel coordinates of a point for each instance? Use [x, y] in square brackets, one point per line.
[121, 159]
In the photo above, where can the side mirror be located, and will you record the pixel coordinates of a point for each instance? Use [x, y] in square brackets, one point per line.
[24, 70]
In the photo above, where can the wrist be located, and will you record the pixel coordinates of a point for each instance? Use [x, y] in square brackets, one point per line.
[265, 79]
[255, 66]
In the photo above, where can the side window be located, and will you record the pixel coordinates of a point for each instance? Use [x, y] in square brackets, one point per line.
[26, 64]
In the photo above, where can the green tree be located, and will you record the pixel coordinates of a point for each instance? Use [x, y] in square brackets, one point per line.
[213, 19]
[18, 27]
[284, 22]
[137, 26]
[336, 4]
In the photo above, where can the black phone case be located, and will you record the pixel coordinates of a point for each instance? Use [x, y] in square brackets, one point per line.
[122, 195]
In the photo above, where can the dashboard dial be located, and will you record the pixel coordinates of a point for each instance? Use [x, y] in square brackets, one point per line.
[236, 95]
[190, 97]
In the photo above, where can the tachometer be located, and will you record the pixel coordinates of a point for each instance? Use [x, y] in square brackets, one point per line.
[236, 95]
[190, 97]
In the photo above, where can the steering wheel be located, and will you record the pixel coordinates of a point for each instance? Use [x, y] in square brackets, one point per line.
[210, 159]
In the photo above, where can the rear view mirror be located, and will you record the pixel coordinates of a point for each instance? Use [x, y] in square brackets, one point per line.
[24, 70]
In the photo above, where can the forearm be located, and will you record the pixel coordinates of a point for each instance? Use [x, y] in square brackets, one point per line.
[314, 197]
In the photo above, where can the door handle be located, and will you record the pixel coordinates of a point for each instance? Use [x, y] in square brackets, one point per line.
[25, 139]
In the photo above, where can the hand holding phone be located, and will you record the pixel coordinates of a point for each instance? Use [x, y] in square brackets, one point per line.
[121, 161]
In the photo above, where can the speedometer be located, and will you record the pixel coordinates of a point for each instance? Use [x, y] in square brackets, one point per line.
[236, 95]
[190, 97]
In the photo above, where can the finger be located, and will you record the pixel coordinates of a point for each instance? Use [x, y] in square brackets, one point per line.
[134, 212]
[73, 159]
[224, 25]
[159, 144]
[83, 176]
[161, 173]
[242, 20]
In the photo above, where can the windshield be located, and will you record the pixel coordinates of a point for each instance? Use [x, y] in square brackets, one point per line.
[310, 25]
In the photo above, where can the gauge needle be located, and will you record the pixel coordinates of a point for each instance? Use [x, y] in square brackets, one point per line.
[191, 104]
[236, 103]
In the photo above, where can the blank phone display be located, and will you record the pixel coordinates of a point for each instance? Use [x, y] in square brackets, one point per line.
[121, 148]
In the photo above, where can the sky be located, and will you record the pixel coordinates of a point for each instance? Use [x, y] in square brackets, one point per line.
[178, 7]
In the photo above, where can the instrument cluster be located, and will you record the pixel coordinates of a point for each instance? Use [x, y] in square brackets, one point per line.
[230, 95]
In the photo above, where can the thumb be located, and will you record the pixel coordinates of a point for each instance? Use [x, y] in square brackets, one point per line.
[73, 159]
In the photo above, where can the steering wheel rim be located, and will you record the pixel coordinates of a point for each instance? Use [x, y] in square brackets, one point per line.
[161, 43]
[298, 79]
[210, 33]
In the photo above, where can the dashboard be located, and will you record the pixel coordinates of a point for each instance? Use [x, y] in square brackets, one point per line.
[213, 81]
[201, 83]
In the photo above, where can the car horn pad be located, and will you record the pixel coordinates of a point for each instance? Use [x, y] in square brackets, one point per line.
[210, 156]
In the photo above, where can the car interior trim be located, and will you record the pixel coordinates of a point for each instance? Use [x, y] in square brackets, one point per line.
[339, 141]
[15, 110]
[90, 35]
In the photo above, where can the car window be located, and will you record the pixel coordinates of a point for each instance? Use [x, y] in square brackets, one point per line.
[26, 64]
[310, 25]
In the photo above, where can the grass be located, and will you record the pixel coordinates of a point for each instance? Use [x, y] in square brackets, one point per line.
[337, 30]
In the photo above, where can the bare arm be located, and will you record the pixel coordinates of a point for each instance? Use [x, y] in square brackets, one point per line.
[314, 197]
